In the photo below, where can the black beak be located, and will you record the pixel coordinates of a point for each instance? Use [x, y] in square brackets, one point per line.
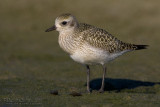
[51, 28]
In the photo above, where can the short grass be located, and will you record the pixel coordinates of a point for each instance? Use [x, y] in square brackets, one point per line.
[32, 64]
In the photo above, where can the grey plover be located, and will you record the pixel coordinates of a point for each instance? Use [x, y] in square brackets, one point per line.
[88, 44]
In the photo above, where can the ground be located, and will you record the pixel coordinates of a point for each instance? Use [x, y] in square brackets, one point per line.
[32, 63]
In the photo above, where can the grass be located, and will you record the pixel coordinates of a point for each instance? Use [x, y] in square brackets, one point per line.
[32, 64]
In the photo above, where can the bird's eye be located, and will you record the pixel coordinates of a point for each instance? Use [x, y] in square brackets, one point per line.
[64, 23]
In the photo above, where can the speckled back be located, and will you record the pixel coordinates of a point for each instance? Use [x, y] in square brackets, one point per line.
[102, 39]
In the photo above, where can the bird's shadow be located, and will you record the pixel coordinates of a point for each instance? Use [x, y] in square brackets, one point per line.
[119, 84]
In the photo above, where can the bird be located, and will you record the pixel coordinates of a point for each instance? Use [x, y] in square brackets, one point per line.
[89, 45]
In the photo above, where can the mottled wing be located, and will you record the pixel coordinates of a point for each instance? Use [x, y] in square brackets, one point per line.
[102, 39]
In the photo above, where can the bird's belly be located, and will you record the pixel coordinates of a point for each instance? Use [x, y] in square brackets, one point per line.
[92, 55]
[87, 59]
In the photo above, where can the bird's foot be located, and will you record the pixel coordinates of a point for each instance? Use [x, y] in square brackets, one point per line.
[89, 91]
[101, 91]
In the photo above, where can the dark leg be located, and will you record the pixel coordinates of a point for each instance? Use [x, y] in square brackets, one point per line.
[88, 78]
[103, 79]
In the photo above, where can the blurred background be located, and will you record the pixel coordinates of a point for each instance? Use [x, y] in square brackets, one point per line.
[32, 63]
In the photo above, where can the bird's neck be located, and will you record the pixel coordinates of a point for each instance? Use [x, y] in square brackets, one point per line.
[66, 41]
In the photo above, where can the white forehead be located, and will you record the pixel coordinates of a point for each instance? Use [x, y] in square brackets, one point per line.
[63, 19]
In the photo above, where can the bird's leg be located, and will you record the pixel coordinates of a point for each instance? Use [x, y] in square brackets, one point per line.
[103, 79]
[88, 78]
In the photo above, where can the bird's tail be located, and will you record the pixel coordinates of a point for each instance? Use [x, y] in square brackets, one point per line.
[139, 47]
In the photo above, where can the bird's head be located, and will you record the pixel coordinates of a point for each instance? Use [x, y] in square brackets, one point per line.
[64, 22]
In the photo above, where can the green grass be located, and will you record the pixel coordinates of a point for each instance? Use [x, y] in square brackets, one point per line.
[32, 63]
